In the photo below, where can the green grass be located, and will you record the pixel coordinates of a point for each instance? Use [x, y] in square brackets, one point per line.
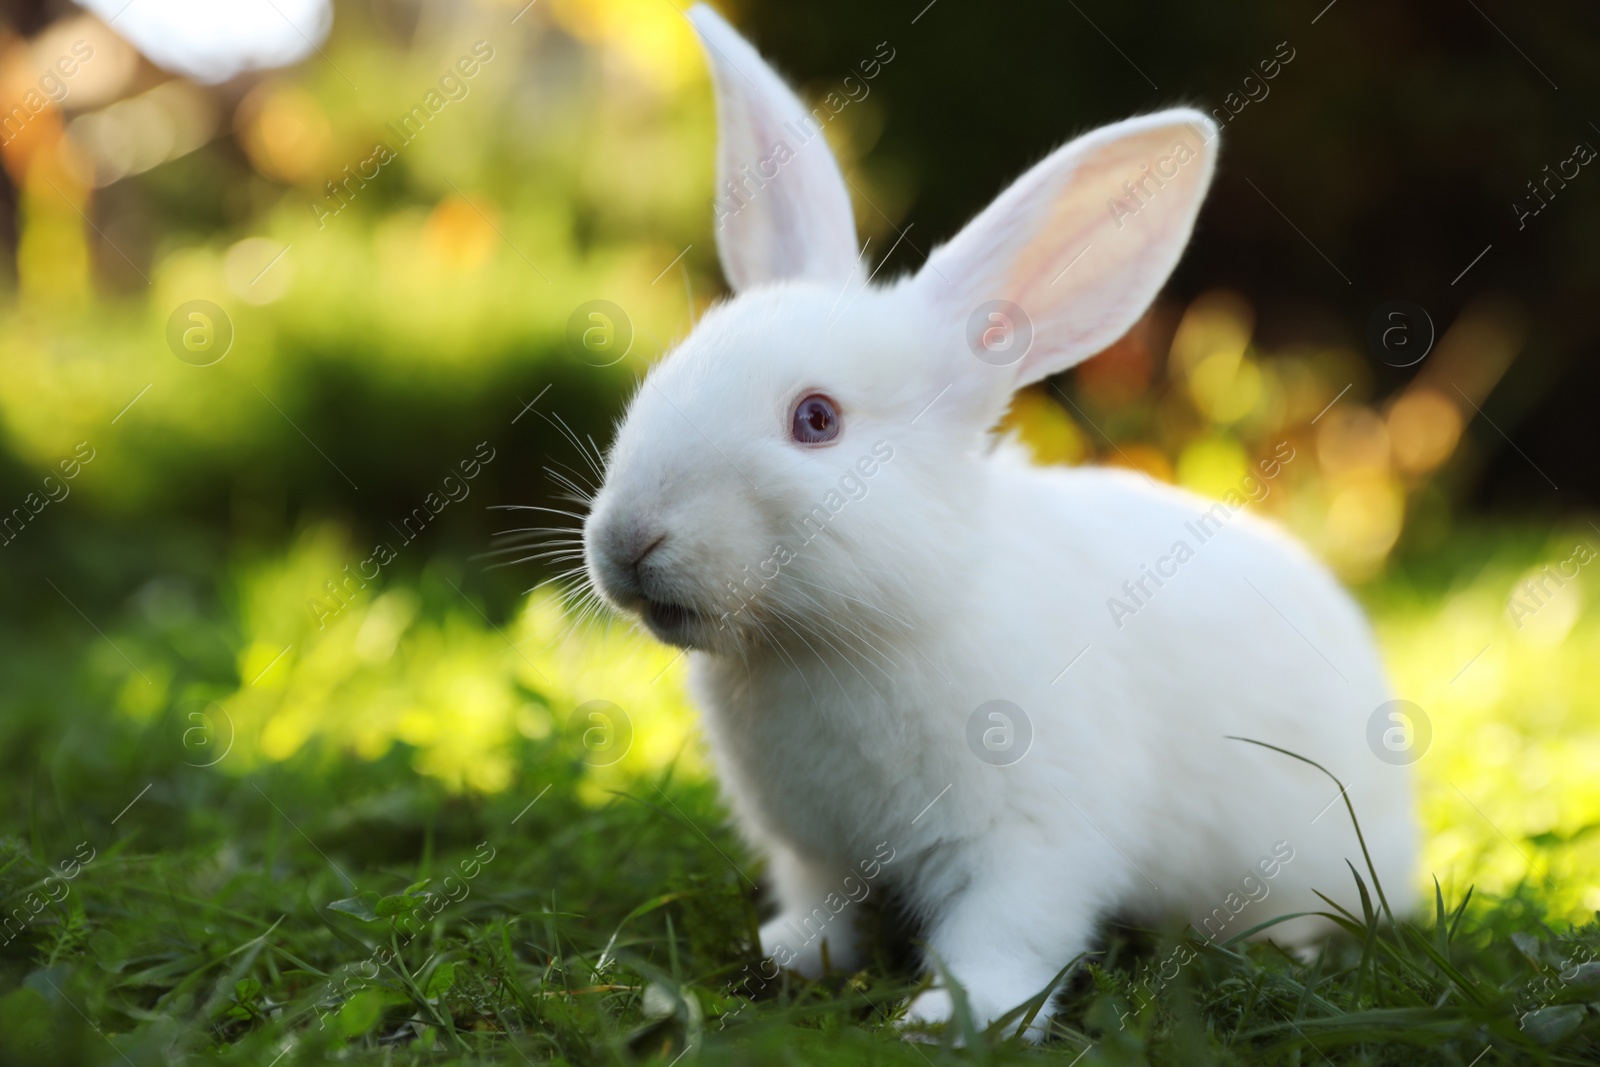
[215, 923]
[326, 908]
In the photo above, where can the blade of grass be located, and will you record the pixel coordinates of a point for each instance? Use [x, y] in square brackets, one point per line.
[1349, 806]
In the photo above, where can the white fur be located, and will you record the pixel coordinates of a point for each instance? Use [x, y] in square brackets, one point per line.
[837, 693]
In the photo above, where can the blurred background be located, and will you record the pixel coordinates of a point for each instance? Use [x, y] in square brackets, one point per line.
[287, 294]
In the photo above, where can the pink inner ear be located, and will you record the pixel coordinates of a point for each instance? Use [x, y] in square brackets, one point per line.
[1041, 264]
[792, 218]
[1075, 249]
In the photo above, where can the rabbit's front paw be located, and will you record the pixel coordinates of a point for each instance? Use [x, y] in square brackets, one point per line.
[779, 944]
[927, 1011]
[934, 1008]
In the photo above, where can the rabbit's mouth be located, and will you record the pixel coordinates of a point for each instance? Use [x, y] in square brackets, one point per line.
[672, 623]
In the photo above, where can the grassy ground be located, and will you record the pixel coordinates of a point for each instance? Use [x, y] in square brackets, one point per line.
[357, 898]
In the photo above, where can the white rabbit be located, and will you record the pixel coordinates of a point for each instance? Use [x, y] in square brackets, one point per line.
[807, 495]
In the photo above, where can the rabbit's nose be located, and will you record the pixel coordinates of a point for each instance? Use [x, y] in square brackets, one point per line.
[649, 548]
[632, 545]
[621, 549]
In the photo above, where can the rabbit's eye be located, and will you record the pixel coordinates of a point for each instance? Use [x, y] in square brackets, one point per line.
[816, 420]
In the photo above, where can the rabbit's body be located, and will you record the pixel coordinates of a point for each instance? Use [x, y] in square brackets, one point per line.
[807, 494]
[1131, 800]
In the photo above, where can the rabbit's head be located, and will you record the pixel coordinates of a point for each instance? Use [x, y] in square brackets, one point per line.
[809, 462]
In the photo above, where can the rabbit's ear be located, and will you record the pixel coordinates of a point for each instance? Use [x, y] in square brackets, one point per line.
[781, 207]
[1066, 260]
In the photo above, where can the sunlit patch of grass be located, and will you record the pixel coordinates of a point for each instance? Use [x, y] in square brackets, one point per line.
[361, 667]
[579, 665]
[1511, 687]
